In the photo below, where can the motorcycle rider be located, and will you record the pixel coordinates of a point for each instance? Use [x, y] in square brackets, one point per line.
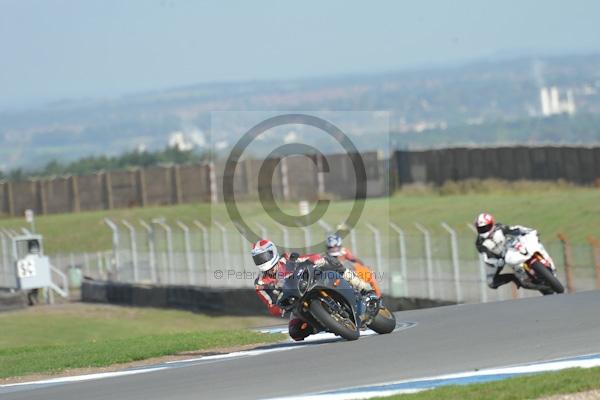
[491, 244]
[337, 250]
[274, 268]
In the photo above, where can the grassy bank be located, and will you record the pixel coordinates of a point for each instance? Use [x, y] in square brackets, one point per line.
[53, 339]
[528, 387]
[549, 207]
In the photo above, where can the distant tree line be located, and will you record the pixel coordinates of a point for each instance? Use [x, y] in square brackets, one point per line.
[581, 129]
[92, 164]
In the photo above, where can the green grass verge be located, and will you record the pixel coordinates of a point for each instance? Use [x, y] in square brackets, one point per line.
[551, 208]
[51, 359]
[526, 387]
[52, 339]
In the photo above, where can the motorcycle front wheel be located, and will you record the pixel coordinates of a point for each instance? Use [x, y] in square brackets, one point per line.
[384, 322]
[337, 324]
[548, 277]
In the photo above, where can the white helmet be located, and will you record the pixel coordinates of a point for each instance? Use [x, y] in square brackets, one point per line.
[265, 254]
[484, 224]
[334, 245]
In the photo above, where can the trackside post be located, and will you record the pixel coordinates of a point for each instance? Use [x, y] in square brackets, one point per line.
[243, 246]
[428, 259]
[189, 256]
[403, 261]
[169, 240]
[596, 251]
[455, 261]
[568, 258]
[224, 245]
[133, 247]
[151, 253]
[205, 251]
[115, 244]
[379, 255]
[482, 274]
[285, 234]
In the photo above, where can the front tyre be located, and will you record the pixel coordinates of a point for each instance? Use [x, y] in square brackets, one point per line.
[548, 277]
[335, 324]
[384, 322]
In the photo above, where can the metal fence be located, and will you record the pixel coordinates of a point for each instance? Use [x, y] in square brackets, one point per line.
[414, 261]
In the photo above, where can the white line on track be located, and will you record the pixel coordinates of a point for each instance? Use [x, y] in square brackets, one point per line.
[88, 377]
[417, 385]
[291, 345]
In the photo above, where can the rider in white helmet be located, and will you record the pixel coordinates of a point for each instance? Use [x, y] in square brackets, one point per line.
[491, 244]
[273, 268]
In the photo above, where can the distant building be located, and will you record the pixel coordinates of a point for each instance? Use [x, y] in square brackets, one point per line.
[179, 141]
[552, 104]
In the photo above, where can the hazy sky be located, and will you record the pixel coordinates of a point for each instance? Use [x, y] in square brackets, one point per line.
[51, 49]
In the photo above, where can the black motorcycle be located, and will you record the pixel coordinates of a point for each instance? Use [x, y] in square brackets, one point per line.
[323, 298]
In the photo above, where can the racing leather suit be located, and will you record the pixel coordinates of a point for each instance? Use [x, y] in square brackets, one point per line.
[493, 249]
[347, 255]
[266, 286]
[361, 270]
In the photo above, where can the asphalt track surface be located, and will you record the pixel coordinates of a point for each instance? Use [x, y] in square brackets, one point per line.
[444, 340]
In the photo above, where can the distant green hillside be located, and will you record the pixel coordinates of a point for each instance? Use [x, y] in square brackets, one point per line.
[580, 129]
[490, 93]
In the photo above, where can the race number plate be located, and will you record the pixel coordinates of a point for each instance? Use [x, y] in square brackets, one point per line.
[25, 269]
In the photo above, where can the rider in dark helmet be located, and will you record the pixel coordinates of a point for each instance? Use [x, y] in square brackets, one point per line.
[336, 249]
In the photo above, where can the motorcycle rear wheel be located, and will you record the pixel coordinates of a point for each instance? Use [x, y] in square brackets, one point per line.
[548, 277]
[384, 322]
[332, 324]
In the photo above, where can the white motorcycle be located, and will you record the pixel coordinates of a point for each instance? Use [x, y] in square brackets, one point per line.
[532, 263]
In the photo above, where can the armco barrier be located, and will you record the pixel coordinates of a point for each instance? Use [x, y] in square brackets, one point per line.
[193, 298]
[209, 300]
